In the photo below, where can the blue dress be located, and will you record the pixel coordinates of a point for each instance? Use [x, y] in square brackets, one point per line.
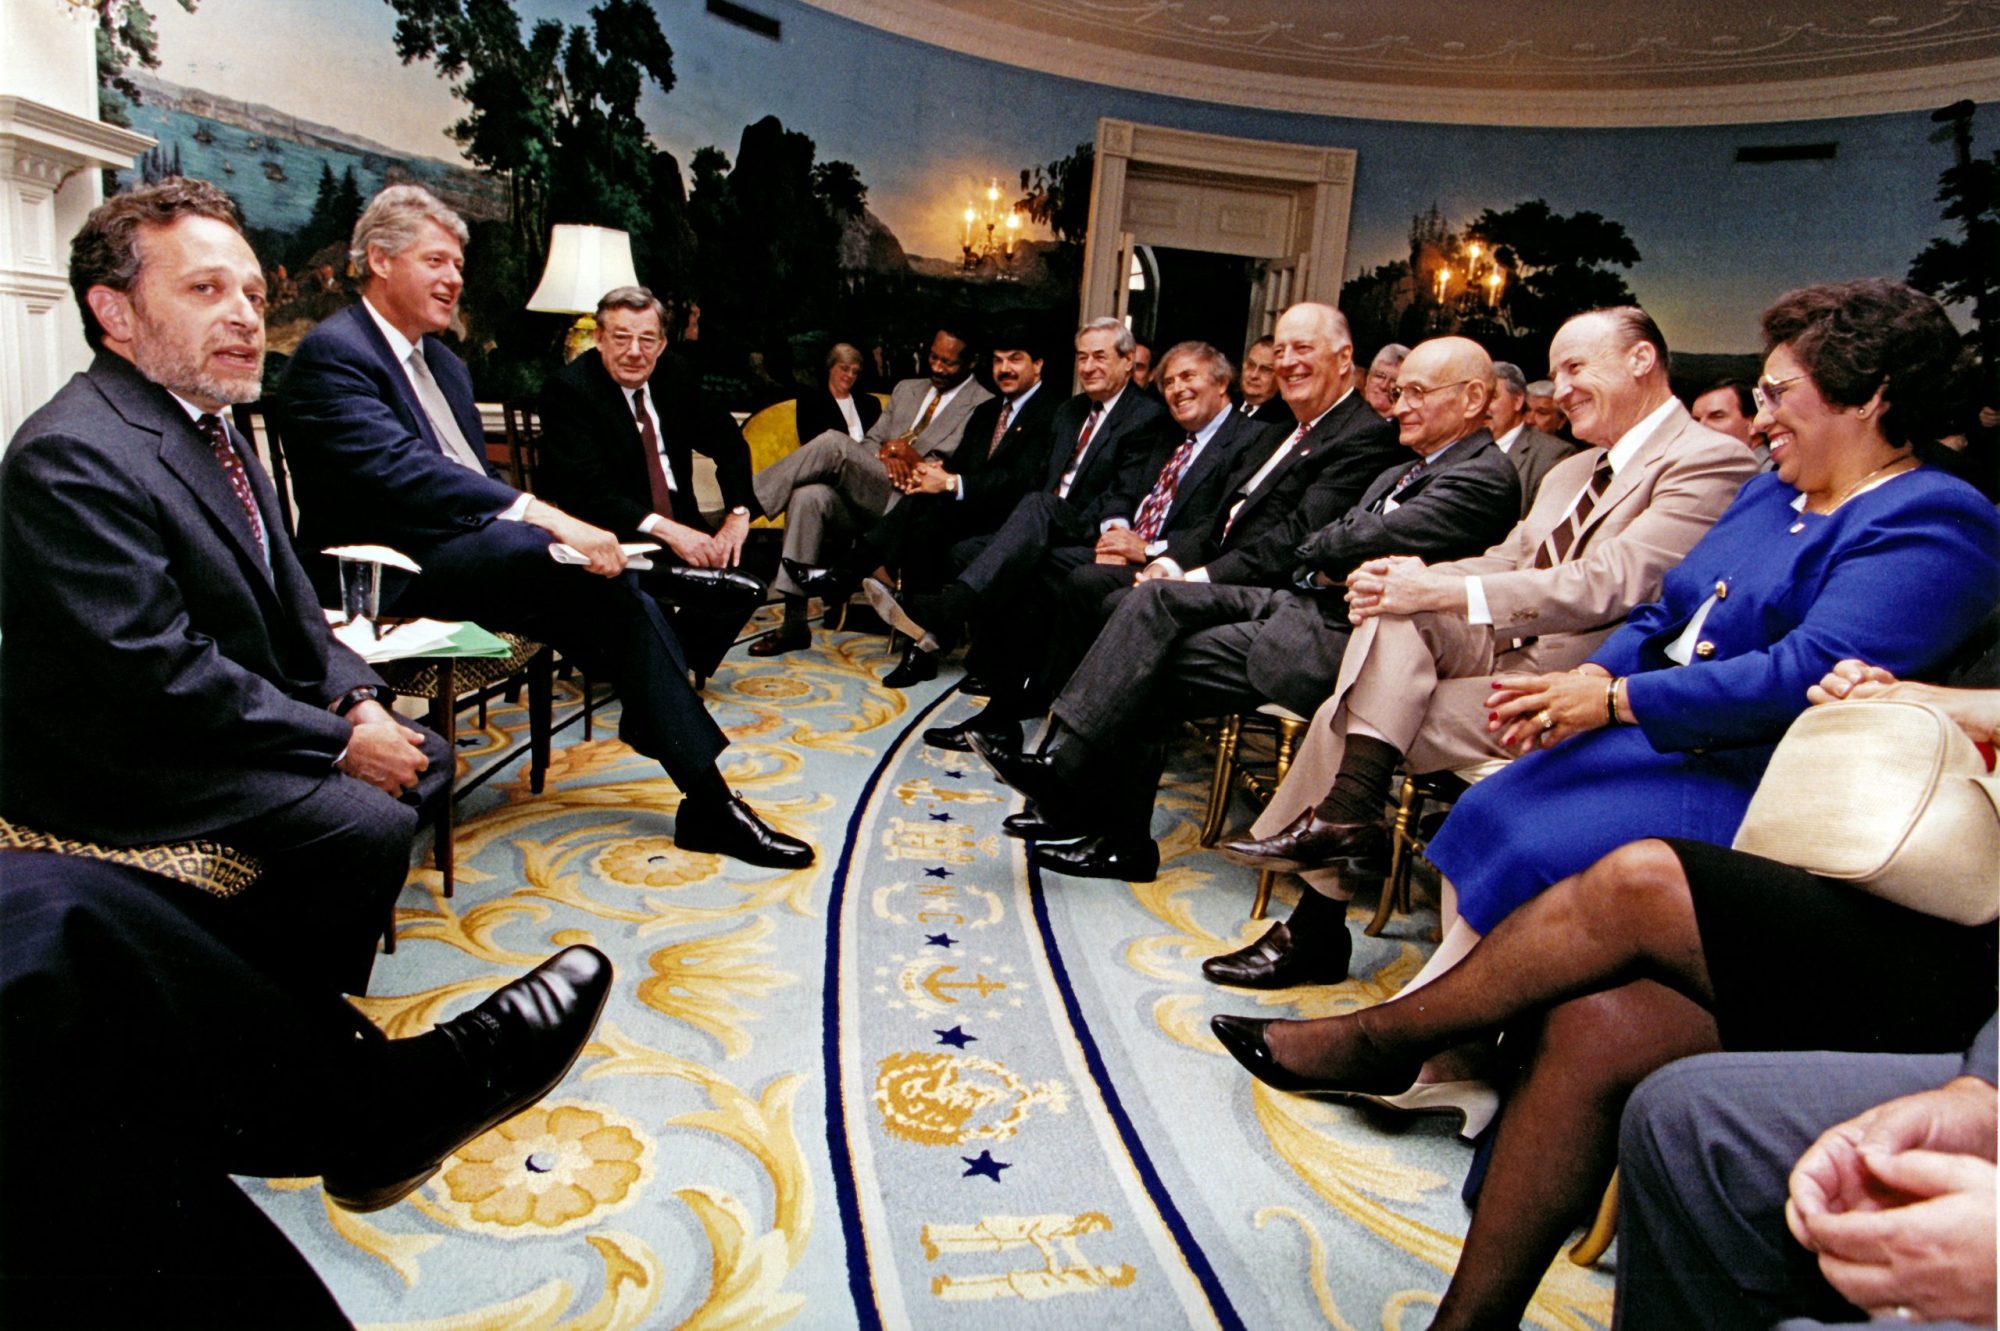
[1897, 576]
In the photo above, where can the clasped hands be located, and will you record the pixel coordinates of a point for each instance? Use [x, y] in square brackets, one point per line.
[1898, 1203]
[381, 750]
[901, 461]
[699, 549]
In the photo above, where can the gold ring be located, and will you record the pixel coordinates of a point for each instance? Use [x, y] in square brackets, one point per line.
[1548, 722]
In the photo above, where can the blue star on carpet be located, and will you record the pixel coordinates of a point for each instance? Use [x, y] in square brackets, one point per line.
[939, 872]
[954, 774]
[985, 1165]
[955, 1037]
[940, 817]
[939, 940]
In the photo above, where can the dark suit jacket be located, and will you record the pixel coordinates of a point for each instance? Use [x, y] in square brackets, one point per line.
[1467, 500]
[1193, 520]
[366, 465]
[593, 461]
[1115, 463]
[817, 412]
[1321, 478]
[1533, 455]
[156, 681]
[1273, 412]
[995, 478]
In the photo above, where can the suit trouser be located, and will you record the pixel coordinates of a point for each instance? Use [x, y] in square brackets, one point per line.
[1171, 651]
[1013, 574]
[705, 633]
[502, 576]
[1706, 1148]
[334, 863]
[1417, 682]
[145, 1063]
[829, 487]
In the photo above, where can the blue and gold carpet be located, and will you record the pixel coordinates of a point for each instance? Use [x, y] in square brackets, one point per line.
[914, 1085]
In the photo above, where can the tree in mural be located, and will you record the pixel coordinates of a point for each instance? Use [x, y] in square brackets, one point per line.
[124, 34]
[1058, 196]
[1508, 278]
[1966, 271]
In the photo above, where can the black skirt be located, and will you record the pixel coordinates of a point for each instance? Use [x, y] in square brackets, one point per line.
[1802, 962]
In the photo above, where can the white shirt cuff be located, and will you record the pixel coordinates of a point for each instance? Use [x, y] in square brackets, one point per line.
[958, 487]
[1197, 575]
[517, 510]
[1476, 611]
[651, 523]
[1113, 524]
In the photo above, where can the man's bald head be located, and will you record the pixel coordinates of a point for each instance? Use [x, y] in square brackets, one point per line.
[1442, 388]
[1610, 372]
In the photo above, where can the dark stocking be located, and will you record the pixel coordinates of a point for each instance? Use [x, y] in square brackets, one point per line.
[1629, 916]
[1362, 783]
[1558, 1139]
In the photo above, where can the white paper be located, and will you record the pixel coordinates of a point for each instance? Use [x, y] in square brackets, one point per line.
[635, 553]
[418, 637]
[375, 554]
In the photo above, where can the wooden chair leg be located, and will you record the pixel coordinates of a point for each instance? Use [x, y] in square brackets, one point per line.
[1409, 804]
[541, 716]
[589, 701]
[1218, 788]
[1602, 1230]
[1266, 880]
[444, 720]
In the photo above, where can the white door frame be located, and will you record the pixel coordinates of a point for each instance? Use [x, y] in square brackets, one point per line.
[1315, 185]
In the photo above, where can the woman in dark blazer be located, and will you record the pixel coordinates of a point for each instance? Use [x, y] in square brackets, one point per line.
[828, 409]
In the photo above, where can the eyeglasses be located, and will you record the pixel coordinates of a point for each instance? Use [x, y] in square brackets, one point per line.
[646, 342]
[1417, 394]
[1769, 392]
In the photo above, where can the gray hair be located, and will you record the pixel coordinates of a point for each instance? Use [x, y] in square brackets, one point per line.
[1212, 360]
[1396, 353]
[842, 353]
[632, 298]
[1124, 344]
[1507, 376]
[394, 218]
[1541, 388]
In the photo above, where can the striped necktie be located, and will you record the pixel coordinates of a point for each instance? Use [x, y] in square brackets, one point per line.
[1558, 543]
[1153, 512]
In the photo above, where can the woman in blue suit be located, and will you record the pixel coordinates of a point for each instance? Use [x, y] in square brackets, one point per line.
[1852, 549]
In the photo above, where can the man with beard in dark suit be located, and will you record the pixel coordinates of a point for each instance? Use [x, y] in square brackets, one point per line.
[379, 423]
[166, 672]
[1177, 650]
[619, 432]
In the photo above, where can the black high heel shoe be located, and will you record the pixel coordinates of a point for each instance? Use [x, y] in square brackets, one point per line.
[1243, 1037]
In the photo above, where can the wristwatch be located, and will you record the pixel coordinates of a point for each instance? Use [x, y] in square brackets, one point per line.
[354, 697]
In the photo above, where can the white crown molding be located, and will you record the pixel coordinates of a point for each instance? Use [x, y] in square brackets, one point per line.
[1918, 88]
[42, 135]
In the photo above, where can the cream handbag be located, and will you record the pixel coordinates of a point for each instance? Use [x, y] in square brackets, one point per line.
[1890, 796]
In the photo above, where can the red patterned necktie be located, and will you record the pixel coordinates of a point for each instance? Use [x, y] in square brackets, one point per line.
[1000, 426]
[217, 435]
[1153, 513]
[656, 465]
[1082, 442]
[1557, 544]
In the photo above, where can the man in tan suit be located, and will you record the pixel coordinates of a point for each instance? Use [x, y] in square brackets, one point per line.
[1606, 526]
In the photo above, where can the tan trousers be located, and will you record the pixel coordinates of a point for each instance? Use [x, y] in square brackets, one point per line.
[1419, 683]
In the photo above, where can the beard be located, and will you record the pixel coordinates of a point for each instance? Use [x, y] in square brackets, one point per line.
[184, 369]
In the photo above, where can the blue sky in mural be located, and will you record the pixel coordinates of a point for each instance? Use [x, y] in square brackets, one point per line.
[927, 128]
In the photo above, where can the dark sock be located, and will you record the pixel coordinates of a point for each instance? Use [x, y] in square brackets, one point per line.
[1316, 917]
[708, 788]
[1362, 784]
[795, 614]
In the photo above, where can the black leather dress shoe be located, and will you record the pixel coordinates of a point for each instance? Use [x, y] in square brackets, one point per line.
[1276, 962]
[1310, 842]
[917, 666]
[1034, 823]
[1103, 857]
[517, 1045]
[732, 829]
[716, 588]
[1000, 734]
[972, 686]
[829, 584]
[1033, 774]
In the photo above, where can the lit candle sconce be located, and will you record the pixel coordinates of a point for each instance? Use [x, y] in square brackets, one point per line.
[1444, 283]
[982, 241]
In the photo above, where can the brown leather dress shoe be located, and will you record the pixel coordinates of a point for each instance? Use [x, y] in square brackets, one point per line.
[1276, 961]
[1310, 842]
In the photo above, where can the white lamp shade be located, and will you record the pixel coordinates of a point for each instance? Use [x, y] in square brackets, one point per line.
[584, 263]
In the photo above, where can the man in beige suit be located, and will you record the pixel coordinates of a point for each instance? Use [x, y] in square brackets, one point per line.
[1606, 526]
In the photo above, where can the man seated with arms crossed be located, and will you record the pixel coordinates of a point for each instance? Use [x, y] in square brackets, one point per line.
[1608, 524]
[1179, 650]
[379, 424]
[619, 432]
[834, 487]
[166, 672]
[963, 495]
